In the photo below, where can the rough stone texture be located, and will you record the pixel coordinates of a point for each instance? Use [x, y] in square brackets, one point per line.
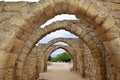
[32, 61]
[69, 41]
[56, 26]
[76, 51]
[18, 21]
[85, 32]
[30, 67]
[90, 67]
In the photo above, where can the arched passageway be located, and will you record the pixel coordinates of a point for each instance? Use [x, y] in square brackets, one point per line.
[90, 38]
[90, 72]
[24, 17]
[59, 70]
[70, 50]
[42, 48]
[94, 48]
[69, 41]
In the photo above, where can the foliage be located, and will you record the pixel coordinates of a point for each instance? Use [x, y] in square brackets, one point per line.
[53, 59]
[63, 57]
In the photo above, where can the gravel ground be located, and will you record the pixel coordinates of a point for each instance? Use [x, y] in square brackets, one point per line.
[60, 71]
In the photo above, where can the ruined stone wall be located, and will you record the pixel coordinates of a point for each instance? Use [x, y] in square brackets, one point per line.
[114, 7]
[41, 49]
[68, 49]
[43, 58]
[30, 67]
[90, 67]
[18, 20]
[74, 43]
[40, 58]
[86, 64]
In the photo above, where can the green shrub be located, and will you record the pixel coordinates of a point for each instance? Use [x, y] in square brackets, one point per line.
[53, 60]
[63, 57]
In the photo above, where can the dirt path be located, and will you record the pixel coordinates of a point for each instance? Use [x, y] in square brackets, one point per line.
[60, 71]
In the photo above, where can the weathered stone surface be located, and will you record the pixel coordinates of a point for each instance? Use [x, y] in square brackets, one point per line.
[21, 23]
[2, 74]
[3, 56]
[113, 46]
[11, 60]
[14, 6]
[5, 43]
[77, 67]
[56, 26]
[19, 19]
[115, 1]
[17, 46]
[49, 12]
[6, 15]
[1, 6]
[30, 68]
[118, 22]
[115, 59]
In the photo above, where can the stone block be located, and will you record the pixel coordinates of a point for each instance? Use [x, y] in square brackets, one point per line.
[14, 6]
[2, 74]
[107, 24]
[92, 11]
[96, 40]
[58, 8]
[29, 43]
[6, 15]
[11, 60]
[49, 12]
[111, 34]
[1, 6]
[3, 59]
[116, 14]
[21, 23]
[91, 44]
[37, 20]
[22, 57]
[22, 35]
[113, 46]
[87, 38]
[7, 34]
[115, 58]
[17, 46]
[26, 12]
[20, 65]
[82, 8]
[114, 8]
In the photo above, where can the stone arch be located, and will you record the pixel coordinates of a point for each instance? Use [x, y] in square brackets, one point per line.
[61, 43]
[30, 71]
[75, 43]
[69, 49]
[68, 41]
[90, 11]
[72, 42]
[72, 27]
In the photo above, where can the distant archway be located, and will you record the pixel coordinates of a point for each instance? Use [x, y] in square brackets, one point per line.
[24, 18]
[86, 34]
[68, 49]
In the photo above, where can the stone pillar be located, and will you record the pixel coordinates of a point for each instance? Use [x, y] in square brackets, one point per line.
[42, 64]
[3, 58]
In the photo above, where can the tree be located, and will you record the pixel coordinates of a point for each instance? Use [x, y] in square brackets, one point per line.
[53, 59]
[63, 57]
